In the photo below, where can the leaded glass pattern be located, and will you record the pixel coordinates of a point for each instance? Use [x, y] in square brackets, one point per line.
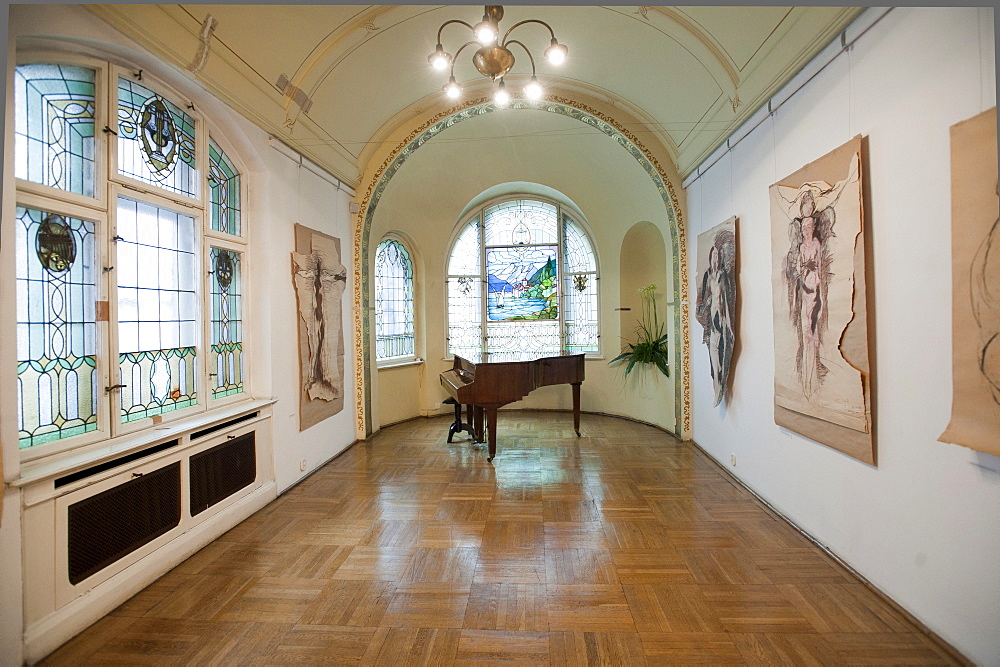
[224, 190]
[54, 126]
[56, 285]
[156, 140]
[521, 222]
[538, 277]
[226, 353]
[393, 301]
[157, 309]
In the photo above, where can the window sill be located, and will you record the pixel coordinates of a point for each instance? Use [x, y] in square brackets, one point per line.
[96, 453]
[400, 364]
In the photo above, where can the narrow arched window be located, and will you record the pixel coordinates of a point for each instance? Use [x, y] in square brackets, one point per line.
[394, 339]
[522, 284]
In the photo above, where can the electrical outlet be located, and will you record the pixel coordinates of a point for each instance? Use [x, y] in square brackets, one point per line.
[302, 465]
[732, 459]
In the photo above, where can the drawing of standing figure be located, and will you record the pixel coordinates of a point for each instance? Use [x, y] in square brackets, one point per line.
[807, 275]
[716, 308]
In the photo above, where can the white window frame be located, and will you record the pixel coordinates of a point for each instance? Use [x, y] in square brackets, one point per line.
[402, 359]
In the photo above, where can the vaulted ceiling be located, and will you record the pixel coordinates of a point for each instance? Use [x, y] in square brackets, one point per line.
[335, 81]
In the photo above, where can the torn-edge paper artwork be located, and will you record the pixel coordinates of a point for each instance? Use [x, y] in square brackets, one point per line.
[716, 305]
[818, 281]
[975, 251]
[320, 280]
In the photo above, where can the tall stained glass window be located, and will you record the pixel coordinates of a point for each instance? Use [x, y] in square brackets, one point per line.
[56, 284]
[158, 309]
[393, 301]
[529, 272]
[226, 353]
[156, 140]
[114, 234]
[54, 126]
[224, 189]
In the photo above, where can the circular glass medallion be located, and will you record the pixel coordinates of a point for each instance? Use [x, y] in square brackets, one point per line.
[224, 270]
[54, 245]
[158, 136]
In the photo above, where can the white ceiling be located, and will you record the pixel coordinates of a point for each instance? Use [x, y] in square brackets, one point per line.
[680, 77]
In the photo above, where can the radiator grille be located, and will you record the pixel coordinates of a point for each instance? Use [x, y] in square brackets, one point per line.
[221, 471]
[110, 525]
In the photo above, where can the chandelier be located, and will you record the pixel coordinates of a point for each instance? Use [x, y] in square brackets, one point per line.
[494, 59]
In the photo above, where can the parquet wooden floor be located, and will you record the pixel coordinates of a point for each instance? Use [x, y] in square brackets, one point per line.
[622, 547]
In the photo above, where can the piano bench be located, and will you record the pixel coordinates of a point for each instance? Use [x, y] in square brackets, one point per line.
[458, 426]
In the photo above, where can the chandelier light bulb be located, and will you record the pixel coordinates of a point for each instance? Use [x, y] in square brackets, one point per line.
[533, 91]
[556, 53]
[452, 89]
[439, 59]
[485, 31]
[501, 97]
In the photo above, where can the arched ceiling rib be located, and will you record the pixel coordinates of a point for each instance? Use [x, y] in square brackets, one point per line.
[335, 80]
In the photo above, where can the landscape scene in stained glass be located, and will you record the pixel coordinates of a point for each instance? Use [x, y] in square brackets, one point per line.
[522, 283]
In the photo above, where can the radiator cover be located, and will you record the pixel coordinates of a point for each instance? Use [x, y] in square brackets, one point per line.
[112, 524]
[221, 471]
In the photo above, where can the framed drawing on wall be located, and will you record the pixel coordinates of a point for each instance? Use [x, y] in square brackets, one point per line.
[822, 383]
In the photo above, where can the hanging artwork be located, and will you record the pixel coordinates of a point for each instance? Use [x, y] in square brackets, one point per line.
[975, 251]
[716, 306]
[822, 388]
[320, 280]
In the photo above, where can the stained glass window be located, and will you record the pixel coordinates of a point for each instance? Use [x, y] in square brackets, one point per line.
[54, 126]
[226, 354]
[56, 281]
[224, 188]
[157, 309]
[535, 283]
[393, 301]
[156, 139]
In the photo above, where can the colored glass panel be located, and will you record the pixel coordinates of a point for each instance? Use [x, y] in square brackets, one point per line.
[156, 139]
[54, 126]
[226, 353]
[224, 189]
[157, 309]
[393, 301]
[56, 285]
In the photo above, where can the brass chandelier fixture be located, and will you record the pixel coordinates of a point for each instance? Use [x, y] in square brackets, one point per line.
[494, 59]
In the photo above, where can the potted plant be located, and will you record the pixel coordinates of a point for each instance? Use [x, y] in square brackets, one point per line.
[651, 346]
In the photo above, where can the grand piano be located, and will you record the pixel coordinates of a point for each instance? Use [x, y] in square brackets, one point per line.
[488, 386]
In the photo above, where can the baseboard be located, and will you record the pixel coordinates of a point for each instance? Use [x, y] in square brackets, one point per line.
[51, 632]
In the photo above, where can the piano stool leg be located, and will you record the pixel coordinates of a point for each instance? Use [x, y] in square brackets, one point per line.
[457, 426]
[491, 425]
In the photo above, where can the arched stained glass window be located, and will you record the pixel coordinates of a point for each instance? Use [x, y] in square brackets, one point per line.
[224, 186]
[394, 338]
[54, 126]
[527, 270]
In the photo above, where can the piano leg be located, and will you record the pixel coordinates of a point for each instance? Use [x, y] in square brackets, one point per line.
[576, 407]
[491, 426]
[478, 426]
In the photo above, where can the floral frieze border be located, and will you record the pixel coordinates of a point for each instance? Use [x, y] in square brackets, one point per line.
[477, 107]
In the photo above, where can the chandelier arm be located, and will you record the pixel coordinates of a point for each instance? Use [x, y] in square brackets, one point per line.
[530, 57]
[511, 29]
[452, 21]
[459, 52]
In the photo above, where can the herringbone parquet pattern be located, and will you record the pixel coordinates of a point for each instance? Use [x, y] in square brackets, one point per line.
[621, 547]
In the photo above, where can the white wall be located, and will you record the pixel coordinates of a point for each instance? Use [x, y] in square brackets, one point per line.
[924, 526]
[281, 193]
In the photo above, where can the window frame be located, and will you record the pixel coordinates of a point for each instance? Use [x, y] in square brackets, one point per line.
[477, 214]
[404, 359]
[102, 210]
